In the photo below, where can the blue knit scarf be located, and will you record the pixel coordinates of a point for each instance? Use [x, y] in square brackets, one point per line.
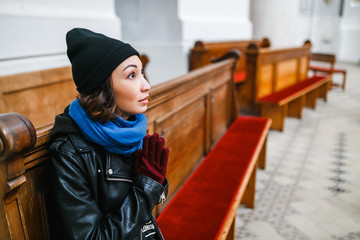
[120, 136]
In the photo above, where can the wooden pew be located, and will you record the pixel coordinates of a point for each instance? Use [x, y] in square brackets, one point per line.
[204, 52]
[278, 84]
[329, 60]
[40, 95]
[206, 206]
[192, 112]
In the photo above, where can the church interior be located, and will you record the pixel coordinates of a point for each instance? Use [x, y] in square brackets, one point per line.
[259, 101]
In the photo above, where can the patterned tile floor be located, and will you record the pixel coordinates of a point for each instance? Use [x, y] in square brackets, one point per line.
[310, 189]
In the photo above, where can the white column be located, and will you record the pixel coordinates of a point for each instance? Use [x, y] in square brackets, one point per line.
[349, 49]
[154, 29]
[332, 27]
[322, 21]
[277, 20]
[215, 20]
[33, 32]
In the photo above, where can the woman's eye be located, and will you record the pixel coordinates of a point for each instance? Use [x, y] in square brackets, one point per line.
[131, 75]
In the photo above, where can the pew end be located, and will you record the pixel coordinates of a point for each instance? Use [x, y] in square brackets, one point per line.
[278, 84]
[317, 66]
[204, 52]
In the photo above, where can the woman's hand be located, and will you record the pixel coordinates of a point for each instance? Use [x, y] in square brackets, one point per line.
[152, 160]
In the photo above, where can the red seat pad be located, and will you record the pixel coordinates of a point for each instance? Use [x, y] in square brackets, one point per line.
[295, 90]
[239, 77]
[325, 69]
[200, 208]
[319, 68]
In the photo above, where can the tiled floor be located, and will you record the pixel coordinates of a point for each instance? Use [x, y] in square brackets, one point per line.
[311, 186]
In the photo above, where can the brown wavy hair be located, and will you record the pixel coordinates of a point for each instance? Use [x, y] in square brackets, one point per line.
[100, 104]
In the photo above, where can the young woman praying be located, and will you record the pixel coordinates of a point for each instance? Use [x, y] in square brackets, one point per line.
[107, 175]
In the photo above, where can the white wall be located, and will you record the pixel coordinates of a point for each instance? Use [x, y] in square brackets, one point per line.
[33, 32]
[322, 22]
[215, 20]
[349, 48]
[154, 29]
[165, 30]
[276, 19]
[145, 20]
[332, 28]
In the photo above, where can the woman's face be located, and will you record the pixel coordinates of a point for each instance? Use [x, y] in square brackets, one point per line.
[130, 87]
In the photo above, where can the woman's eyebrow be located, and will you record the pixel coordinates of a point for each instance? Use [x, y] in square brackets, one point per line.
[131, 65]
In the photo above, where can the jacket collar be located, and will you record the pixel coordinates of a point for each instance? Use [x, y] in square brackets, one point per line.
[81, 145]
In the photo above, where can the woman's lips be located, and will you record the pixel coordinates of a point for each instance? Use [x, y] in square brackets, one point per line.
[144, 100]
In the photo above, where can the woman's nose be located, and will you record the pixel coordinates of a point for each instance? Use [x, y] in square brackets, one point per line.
[145, 85]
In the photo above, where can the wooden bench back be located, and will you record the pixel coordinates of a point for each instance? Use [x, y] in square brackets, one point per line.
[326, 60]
[203, 52]
[323, 60]
[40, 95]
[270, 70]
[191, 112]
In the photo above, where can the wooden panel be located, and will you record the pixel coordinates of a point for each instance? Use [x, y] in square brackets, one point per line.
[15, 219]
[35, 211]
[22, 81]
[220, 111]
[27, 207]
[283, 54]
[291, 64]
[202, 52]
[41, 104]
[265, 80]
[186, 147]
[276, 113]
[175, 92]
[311, 98]
[39, 96]
[296, 106]
[248, 198]
[303, 68]
[286, 74]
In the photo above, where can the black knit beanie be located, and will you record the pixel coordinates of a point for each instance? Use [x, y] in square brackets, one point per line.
[94, 57]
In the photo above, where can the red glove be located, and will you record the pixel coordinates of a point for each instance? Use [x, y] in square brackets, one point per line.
[152, 160]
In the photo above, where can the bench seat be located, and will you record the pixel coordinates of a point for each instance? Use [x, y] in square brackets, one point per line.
[291, 100]
[328, 70]
[205, 207]
[240, 77]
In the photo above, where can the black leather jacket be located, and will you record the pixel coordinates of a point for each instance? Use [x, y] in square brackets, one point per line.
[97, 195]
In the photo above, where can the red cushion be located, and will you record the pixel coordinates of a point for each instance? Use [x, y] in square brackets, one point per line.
[325, 69]
[319, 68]
[200, 208]
[239, 77]
[294, 90]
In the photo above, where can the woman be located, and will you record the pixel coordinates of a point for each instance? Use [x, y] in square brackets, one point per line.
[107, 175]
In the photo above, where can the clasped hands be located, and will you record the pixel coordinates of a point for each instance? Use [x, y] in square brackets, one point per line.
[152, 159]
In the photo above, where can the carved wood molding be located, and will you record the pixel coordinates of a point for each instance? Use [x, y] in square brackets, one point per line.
[17, 134]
